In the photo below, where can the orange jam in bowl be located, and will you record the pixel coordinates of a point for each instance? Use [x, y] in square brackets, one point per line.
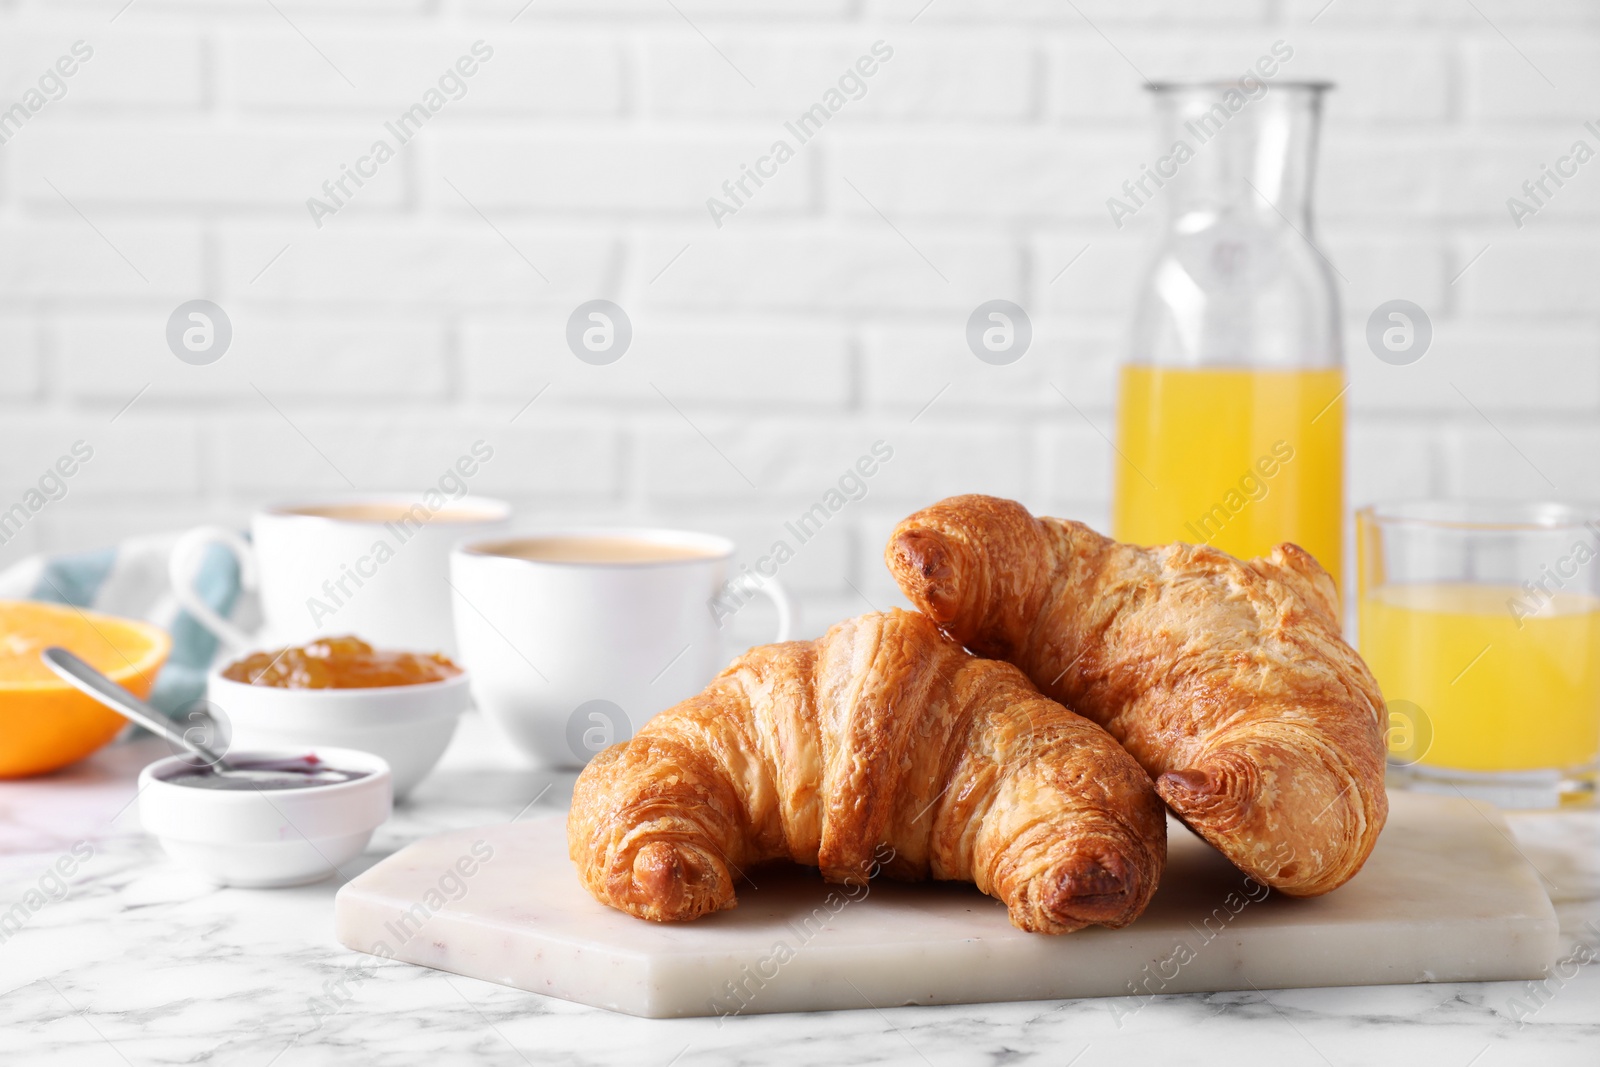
[339, 663]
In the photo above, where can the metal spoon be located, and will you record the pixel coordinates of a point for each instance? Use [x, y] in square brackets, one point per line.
[77, 673]
[274, 773]
[216, 772]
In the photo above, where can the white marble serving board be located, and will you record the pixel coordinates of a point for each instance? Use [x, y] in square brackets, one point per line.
[1446, 896]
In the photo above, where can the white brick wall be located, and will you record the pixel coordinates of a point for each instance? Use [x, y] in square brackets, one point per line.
[775, 349]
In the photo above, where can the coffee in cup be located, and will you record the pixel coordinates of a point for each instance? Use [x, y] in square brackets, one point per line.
[375, 565]
[574, 638]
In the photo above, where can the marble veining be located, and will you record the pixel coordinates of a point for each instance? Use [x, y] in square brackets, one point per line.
[131, 960]
[1445, 896]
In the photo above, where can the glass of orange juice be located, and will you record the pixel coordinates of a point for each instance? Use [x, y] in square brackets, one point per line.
[1481, 621]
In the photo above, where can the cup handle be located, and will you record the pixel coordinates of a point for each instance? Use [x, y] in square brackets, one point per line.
[774, 591]
[183, 566]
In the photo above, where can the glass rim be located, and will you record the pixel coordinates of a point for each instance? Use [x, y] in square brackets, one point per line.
[1484, 514]
[1168, 85]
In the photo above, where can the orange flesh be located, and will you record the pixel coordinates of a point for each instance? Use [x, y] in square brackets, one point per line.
[44, 722]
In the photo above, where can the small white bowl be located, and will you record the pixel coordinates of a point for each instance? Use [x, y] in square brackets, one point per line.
[266, 839]
[410, 726]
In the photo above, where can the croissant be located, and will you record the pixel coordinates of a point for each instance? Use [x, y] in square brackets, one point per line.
[881, 746]
[1227, 680]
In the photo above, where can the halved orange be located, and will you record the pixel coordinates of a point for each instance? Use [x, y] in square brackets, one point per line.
[44, 722]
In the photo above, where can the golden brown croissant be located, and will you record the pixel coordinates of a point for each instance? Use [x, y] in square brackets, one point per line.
[1227, 681]
[883, 744]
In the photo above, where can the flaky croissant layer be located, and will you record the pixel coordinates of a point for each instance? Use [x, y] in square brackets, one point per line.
[1227, 680]
[882, 743]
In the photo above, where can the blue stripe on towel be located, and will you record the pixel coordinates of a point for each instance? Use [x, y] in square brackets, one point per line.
[75, 579]
[183, 680]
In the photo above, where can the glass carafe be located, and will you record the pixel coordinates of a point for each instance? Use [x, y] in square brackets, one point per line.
[1230, 418]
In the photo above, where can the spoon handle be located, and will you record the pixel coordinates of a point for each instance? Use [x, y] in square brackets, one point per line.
[79, 674]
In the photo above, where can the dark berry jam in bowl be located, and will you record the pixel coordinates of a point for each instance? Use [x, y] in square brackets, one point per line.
[266, 773]
[286, 817]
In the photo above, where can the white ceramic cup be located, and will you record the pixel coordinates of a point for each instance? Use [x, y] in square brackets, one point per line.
[569, 657]
[383, 576]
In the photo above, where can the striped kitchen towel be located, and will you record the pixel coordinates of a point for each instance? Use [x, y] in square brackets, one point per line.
[130, 580]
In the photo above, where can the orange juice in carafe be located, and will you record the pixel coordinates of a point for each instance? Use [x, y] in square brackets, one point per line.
[1230, 415]
[1238, 459]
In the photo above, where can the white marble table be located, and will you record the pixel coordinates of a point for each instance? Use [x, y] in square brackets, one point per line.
[133, 961]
